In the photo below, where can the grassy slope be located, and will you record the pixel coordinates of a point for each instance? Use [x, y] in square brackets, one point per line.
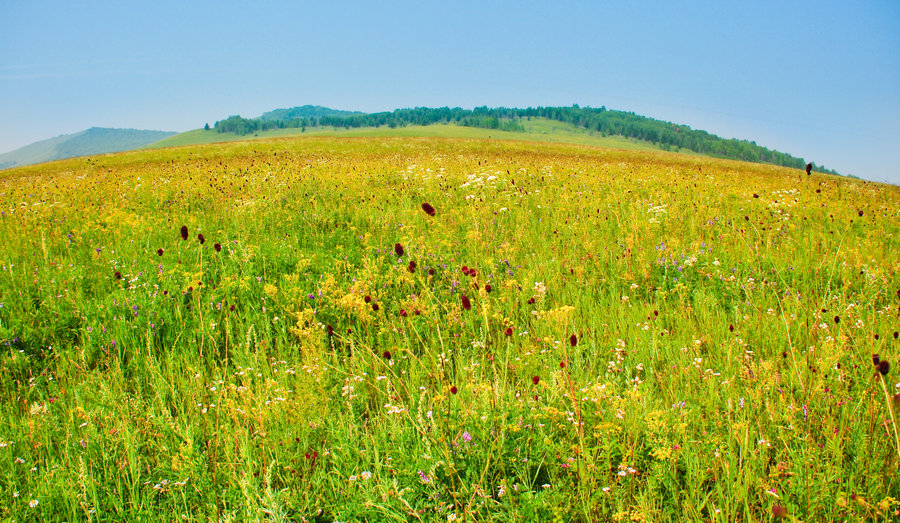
[536, 129]
[706, 373]
[93, 141]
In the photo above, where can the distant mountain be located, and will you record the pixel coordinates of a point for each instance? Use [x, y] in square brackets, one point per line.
[304, 111]
[96, 140]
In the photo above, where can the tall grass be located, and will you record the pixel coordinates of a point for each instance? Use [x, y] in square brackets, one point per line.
[649, 336]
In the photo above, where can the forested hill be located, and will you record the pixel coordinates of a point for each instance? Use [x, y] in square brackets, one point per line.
[305, 111]
[666, 135]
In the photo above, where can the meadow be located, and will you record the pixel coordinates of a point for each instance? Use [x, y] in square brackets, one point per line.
[436, 329]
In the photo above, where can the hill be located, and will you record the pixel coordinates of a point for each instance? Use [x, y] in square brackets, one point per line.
[535, 130]
[600, 121]
[96, 140]
[305, 111]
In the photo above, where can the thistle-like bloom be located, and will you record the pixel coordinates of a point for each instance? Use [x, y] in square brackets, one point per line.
[386, 354]
[536, 380]
[118, 275]
[184, 232]
[465, 302]
[218, 247]
[159, 252]
[201, 239]
[509, 331]
[412, 266]
[398, 249]
[429, 210]
[453, 389]
[573, 340]
[884, 367]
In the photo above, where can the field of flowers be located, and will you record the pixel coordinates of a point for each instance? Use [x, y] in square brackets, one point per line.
[412, 329]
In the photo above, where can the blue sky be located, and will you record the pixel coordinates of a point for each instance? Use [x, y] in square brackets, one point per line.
[820, 80]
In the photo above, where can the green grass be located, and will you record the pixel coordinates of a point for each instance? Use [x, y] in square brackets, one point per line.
[665, 338]
[536, 130]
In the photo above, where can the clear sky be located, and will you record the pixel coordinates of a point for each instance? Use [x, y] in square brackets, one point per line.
[816, 79]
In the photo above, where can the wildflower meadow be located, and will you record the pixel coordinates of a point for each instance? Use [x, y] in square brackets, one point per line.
[428, 329]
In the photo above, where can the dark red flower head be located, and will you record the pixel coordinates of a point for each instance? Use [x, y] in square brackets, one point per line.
[429, 210]
[375, 307]
[531, 300]
[875, 360]
[184, 232]
[218, 247]
[884, 367]
[573, 340]
[118, 275]
[201, 239]
[465, 302]
[509, 331]
[488, 288]
[398, 249]
[453, 389]
[779, 511]
[808, 168]
[386, 354]
[159, 252]
[412, 266]
[536, 380]
[860, 213]
[367, 299]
